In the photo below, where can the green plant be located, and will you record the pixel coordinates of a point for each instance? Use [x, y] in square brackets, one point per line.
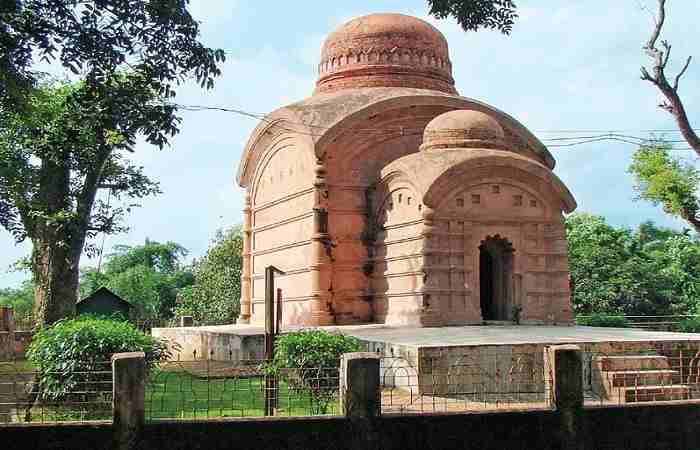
[689, 325]
[603, 320]
[72, 352]
[309, 360]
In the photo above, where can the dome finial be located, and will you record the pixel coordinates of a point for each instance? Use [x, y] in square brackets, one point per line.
[385, 50]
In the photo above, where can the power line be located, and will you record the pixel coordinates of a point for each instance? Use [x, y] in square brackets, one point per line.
[588, 136]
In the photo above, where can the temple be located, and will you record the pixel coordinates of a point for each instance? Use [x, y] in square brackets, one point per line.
[386, 197]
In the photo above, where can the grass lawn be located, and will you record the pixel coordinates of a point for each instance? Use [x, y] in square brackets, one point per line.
[178, 394]
[170, 394]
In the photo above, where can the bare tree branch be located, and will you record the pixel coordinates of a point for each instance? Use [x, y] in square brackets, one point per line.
[680, 74]
[673, 103]
[659, 24]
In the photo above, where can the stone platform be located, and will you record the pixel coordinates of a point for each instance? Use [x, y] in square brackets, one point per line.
[489, 360]
[241, 342]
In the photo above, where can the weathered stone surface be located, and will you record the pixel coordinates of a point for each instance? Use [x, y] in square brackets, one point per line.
[387, 198]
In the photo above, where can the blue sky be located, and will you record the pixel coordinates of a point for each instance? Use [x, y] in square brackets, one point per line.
[568, 65]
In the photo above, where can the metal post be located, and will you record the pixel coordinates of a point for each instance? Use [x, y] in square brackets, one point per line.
[278, 318]
[270, 381]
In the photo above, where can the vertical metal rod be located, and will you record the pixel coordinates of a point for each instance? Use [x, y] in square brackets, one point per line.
[269, 336]
[278, 318]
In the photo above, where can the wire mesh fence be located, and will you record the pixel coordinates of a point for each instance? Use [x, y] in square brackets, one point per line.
[212, 389]
[634, 373]
[28, 394]
[460, 382]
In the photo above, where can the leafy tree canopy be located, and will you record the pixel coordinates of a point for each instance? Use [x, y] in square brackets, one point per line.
[215, 295]
[667, 181]
[19, 299]
[474, 14]
[651, 271]
[96, 38]
[148, 276]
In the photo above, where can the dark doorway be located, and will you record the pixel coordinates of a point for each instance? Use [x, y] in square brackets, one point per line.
[496, 278]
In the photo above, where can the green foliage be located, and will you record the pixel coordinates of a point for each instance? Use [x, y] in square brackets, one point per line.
[61, 143]
[616, 271]
[21, 299]
[310, 360]
[236, 396]
[214, 297]
[158, 38]
[668, 181]
[71, 347]
[474, 14]
[602, 320]
[147, 276]
[689, 325]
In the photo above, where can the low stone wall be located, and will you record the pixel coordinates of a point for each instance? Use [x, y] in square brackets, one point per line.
[197, 343]
[670, 426]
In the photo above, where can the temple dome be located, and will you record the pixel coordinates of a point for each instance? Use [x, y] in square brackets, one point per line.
[463, 128]
[385, 50]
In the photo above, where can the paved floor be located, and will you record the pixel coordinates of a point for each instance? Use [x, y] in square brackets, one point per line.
[509, 335]
[482, 335]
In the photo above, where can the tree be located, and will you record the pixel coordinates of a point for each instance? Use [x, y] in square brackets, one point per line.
[156, 38]
[60, 144]
[658, 77]
[148, 276]
[652, 271]
[475, 14]
[597, 256]
[668, 181]
[19, 299]
[214, 297]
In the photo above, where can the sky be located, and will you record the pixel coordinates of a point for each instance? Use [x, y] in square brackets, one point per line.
[567, 66]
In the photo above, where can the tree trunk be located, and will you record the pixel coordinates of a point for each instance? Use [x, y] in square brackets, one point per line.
[693, 221]
[56, 273]
[54, 263]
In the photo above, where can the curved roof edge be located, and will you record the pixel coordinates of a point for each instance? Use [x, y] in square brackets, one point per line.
[445, 160]
[321, 118]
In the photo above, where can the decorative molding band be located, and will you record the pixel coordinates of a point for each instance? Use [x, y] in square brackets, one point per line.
[283, 222]
[284, 199]
[282, 247]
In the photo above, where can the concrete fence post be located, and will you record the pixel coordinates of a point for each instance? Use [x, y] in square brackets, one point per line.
[565, 365]
[128, 403]
[360, 395]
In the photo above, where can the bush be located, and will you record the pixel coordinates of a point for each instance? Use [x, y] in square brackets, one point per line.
[310, 360]
[602, 320]
[689, 325]
[66, 351]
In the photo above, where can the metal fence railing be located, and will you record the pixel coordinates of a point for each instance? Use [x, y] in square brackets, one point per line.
[27, 394]
[470, 381]
[638, 373]
[652, 323]
[213, 389]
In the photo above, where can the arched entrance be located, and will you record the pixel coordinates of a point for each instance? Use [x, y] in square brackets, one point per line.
[496, 278]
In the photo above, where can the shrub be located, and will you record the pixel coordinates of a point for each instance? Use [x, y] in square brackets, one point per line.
[309, 360]
[66, 351]
[689, 325]
[603, 320]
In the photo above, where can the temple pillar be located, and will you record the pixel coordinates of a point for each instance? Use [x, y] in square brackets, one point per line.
[430, 303]
[320, 265]
[246, 269]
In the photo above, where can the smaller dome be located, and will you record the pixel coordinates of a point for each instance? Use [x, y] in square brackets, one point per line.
[463, 128]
